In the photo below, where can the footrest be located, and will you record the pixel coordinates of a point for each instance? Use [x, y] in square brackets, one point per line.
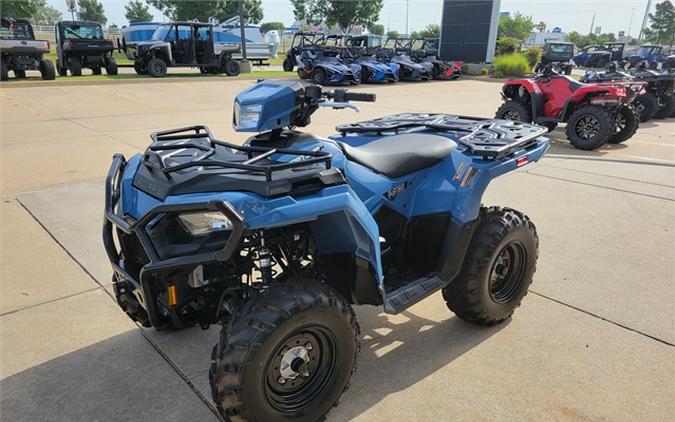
[413, 292]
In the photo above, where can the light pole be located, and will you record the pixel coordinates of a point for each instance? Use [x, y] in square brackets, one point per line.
[630, 25]
[644, 20]
[407, 9]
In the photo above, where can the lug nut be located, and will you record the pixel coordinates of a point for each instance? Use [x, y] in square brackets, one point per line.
[281, 380]
[309, 346]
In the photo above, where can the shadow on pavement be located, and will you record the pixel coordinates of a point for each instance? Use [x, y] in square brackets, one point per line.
[119, 379]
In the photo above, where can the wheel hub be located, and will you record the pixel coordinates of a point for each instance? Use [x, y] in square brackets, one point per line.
[294, 363]
[511, 115]
[587, 127]
[507, 272]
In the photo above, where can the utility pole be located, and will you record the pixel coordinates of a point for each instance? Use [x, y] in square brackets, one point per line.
[242, 29]
[389, 23]
[644, 20]
[592, 23]
[407, 9]
[630, 25]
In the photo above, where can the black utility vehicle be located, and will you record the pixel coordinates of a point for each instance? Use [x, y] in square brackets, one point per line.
[81, 44]
[185, 44]
[302, 42]
[559, 54]
[20, 50]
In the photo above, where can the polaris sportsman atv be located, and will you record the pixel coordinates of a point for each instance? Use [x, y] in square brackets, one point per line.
[397, 51]
[425, 50]
[658, 102]
[277, 239]
[373, 70]
[594, 113]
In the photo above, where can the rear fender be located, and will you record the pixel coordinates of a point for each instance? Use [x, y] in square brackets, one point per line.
[518, 88]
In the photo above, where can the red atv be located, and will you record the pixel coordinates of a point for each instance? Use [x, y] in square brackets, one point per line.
[594, 113]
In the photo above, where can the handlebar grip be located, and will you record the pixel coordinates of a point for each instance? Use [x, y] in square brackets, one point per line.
[360, 96]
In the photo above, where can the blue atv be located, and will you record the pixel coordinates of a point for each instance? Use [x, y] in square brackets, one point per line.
[276, 239]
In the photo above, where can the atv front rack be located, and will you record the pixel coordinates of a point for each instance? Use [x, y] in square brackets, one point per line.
[488, 138]
[200, 138]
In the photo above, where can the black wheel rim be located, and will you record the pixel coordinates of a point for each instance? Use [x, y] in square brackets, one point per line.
[318, 77]
[157, 68]
[639, 106]
[511, 114]
[660, 103]
[620, 122]
[587, 126]
[506, 274]
[301, 369]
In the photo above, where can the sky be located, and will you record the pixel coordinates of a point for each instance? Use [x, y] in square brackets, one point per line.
[569, 15]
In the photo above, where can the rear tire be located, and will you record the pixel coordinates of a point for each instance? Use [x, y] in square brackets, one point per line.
[589, 127]
[287, 65]
[287, 354]
[498, 268]
[111, 66]
[666, 106]
[550, 126]
[232, 67]
[75, 67]
[20, 74]
[646, 106]
[627, 123]
[364, 74]
[96, 70]
[139, 68]
[47, 70]
[62, 70]
[156, 68]
[514, 110]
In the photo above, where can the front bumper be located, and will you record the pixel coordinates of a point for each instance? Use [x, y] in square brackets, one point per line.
[113, 219]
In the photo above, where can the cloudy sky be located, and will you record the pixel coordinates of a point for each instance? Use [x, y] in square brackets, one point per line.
[575, 15]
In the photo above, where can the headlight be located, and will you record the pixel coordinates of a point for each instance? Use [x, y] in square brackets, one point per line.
[203, 223]
[246, 117]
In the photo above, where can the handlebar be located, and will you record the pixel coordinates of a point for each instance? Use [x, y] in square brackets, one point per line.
[342, 95]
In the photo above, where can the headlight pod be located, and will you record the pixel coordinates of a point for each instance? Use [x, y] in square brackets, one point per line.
[247, 117]
[204, 223]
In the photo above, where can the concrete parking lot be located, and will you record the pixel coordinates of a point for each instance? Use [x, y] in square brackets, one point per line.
[594, 339]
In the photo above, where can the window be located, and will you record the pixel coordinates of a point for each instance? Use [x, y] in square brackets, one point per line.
[184, 32]
[16, 30]
[140, 35]
[203, 33]
[161, 33]
[83, 31]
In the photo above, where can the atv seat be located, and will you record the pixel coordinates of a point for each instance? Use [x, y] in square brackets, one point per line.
[398, 155]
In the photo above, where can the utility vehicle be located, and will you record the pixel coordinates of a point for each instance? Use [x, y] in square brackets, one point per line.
[652, 54]
[425, 50]
[325, 60]
[362, 51]
[20, 51]
[657, 102]
[276, 239]
[558, 55]
[184, 44]
[594, 113]
[301, 41]
[398, 51]
[81, 44]
[599, 55]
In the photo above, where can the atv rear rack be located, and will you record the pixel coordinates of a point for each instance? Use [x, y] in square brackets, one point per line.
[200, 138]
[488, 138]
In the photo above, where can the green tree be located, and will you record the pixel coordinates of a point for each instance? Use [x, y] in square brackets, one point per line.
[662, 24]
[47, 15]
[346, 14]
[517, 26]
[179, 10]
[26, 9]
[392, 34]
[376, 29]
[582, 41]
[433, 30]
[312, 12]
[136, 11]
[91, 10]
[272, 26]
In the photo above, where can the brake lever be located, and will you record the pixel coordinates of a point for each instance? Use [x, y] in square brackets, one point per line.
[338, 105]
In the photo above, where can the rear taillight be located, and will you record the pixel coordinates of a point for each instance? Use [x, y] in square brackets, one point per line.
[71, 44]
[521, 161]
[113, 43]
[49, 47]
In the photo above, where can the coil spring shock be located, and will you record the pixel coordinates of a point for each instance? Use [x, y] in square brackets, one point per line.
[265, 262]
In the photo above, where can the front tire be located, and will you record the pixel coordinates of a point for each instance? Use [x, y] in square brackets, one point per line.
[47, 70]
[497, 269]
[514, 110]
[319, 76]
[287, 65]
[288, 354]
[75, 67]
[646, 106]
[156, 68]
[111, 66]
[232, 67]
[627, 123]
[589, 127]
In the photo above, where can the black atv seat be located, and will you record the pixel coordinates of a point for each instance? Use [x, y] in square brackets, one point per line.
[397, 155]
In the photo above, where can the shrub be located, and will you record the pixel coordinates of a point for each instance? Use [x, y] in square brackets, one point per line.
[484, 71]
[506, 45]
[465, 69]
[514, 64]
[533, 55]
[498, 74]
